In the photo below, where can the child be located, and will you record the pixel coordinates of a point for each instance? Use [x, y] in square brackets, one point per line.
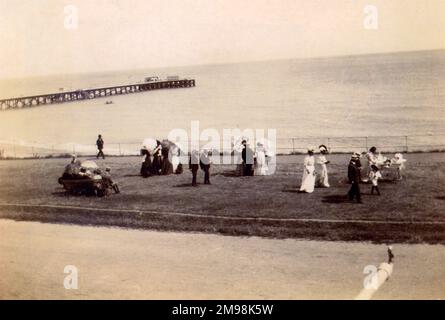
[374, 176]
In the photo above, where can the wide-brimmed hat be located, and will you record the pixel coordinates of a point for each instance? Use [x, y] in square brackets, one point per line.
[323, 148]
[356, 155]
[310, 149]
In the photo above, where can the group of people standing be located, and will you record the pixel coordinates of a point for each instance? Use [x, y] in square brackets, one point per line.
[200, 160]
[160, 158]
[253, 162]
[376, 163]
[157, 162]
[309, 173]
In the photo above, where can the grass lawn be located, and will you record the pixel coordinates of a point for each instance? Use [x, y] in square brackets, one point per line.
[407, 211]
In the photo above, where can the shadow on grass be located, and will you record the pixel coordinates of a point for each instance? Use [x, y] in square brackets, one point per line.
[184, 185]
[335, 199]
[230, 173]
[291, 190]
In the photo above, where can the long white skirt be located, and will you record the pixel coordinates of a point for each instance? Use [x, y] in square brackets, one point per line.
[323, 180]
[261, 169]
[308, 181]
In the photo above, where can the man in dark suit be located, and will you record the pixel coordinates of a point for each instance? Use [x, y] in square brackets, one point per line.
[354, 177]
[248, 159]
[204, 163]
[194, 166]
[100, 147]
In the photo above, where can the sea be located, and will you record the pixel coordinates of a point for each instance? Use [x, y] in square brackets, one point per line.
[395, 99]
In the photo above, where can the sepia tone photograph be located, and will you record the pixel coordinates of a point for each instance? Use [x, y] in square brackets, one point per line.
[243, 150]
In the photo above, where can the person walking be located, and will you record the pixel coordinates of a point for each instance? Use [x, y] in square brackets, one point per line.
[100, 147]
[354, 177]
[308, 180]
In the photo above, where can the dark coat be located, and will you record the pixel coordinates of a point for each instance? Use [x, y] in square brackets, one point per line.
[100, 143]
[353, 172]
[194, 162]
[204, 162]
[247, 155]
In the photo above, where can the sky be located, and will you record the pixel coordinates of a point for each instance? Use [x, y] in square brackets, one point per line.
[138, 34]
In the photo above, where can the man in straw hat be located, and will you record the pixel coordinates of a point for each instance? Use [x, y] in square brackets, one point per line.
[354, 177]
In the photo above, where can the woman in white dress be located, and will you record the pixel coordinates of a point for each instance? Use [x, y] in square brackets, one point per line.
[308, 181]
[260, 156]
[323, 181]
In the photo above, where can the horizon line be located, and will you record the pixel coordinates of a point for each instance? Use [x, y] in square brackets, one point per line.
[226, 63]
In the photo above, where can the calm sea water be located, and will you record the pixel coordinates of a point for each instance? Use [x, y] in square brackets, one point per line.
[375, 95]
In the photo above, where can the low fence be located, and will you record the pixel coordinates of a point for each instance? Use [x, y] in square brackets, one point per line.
[385, 144]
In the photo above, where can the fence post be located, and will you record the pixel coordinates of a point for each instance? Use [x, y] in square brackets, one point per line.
[119, 149]
[406, 143]
[74, 148]
[293, 145]
[329, 144]
[366, 143]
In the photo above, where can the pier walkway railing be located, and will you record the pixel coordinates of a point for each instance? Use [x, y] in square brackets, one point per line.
[83, 94]
[385, 144]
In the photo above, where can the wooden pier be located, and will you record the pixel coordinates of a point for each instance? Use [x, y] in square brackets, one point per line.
[84, 94]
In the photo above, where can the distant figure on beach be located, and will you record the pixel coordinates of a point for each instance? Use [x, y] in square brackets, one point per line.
[204, 163]
[323, 180]
[100, 147]
[194, 162]
[248, 159]
[354, 177]
[399, 161]
[308, 181]
[261, 161]
[374, 176]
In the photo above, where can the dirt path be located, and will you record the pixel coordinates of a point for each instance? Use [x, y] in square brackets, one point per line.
[117, 263]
